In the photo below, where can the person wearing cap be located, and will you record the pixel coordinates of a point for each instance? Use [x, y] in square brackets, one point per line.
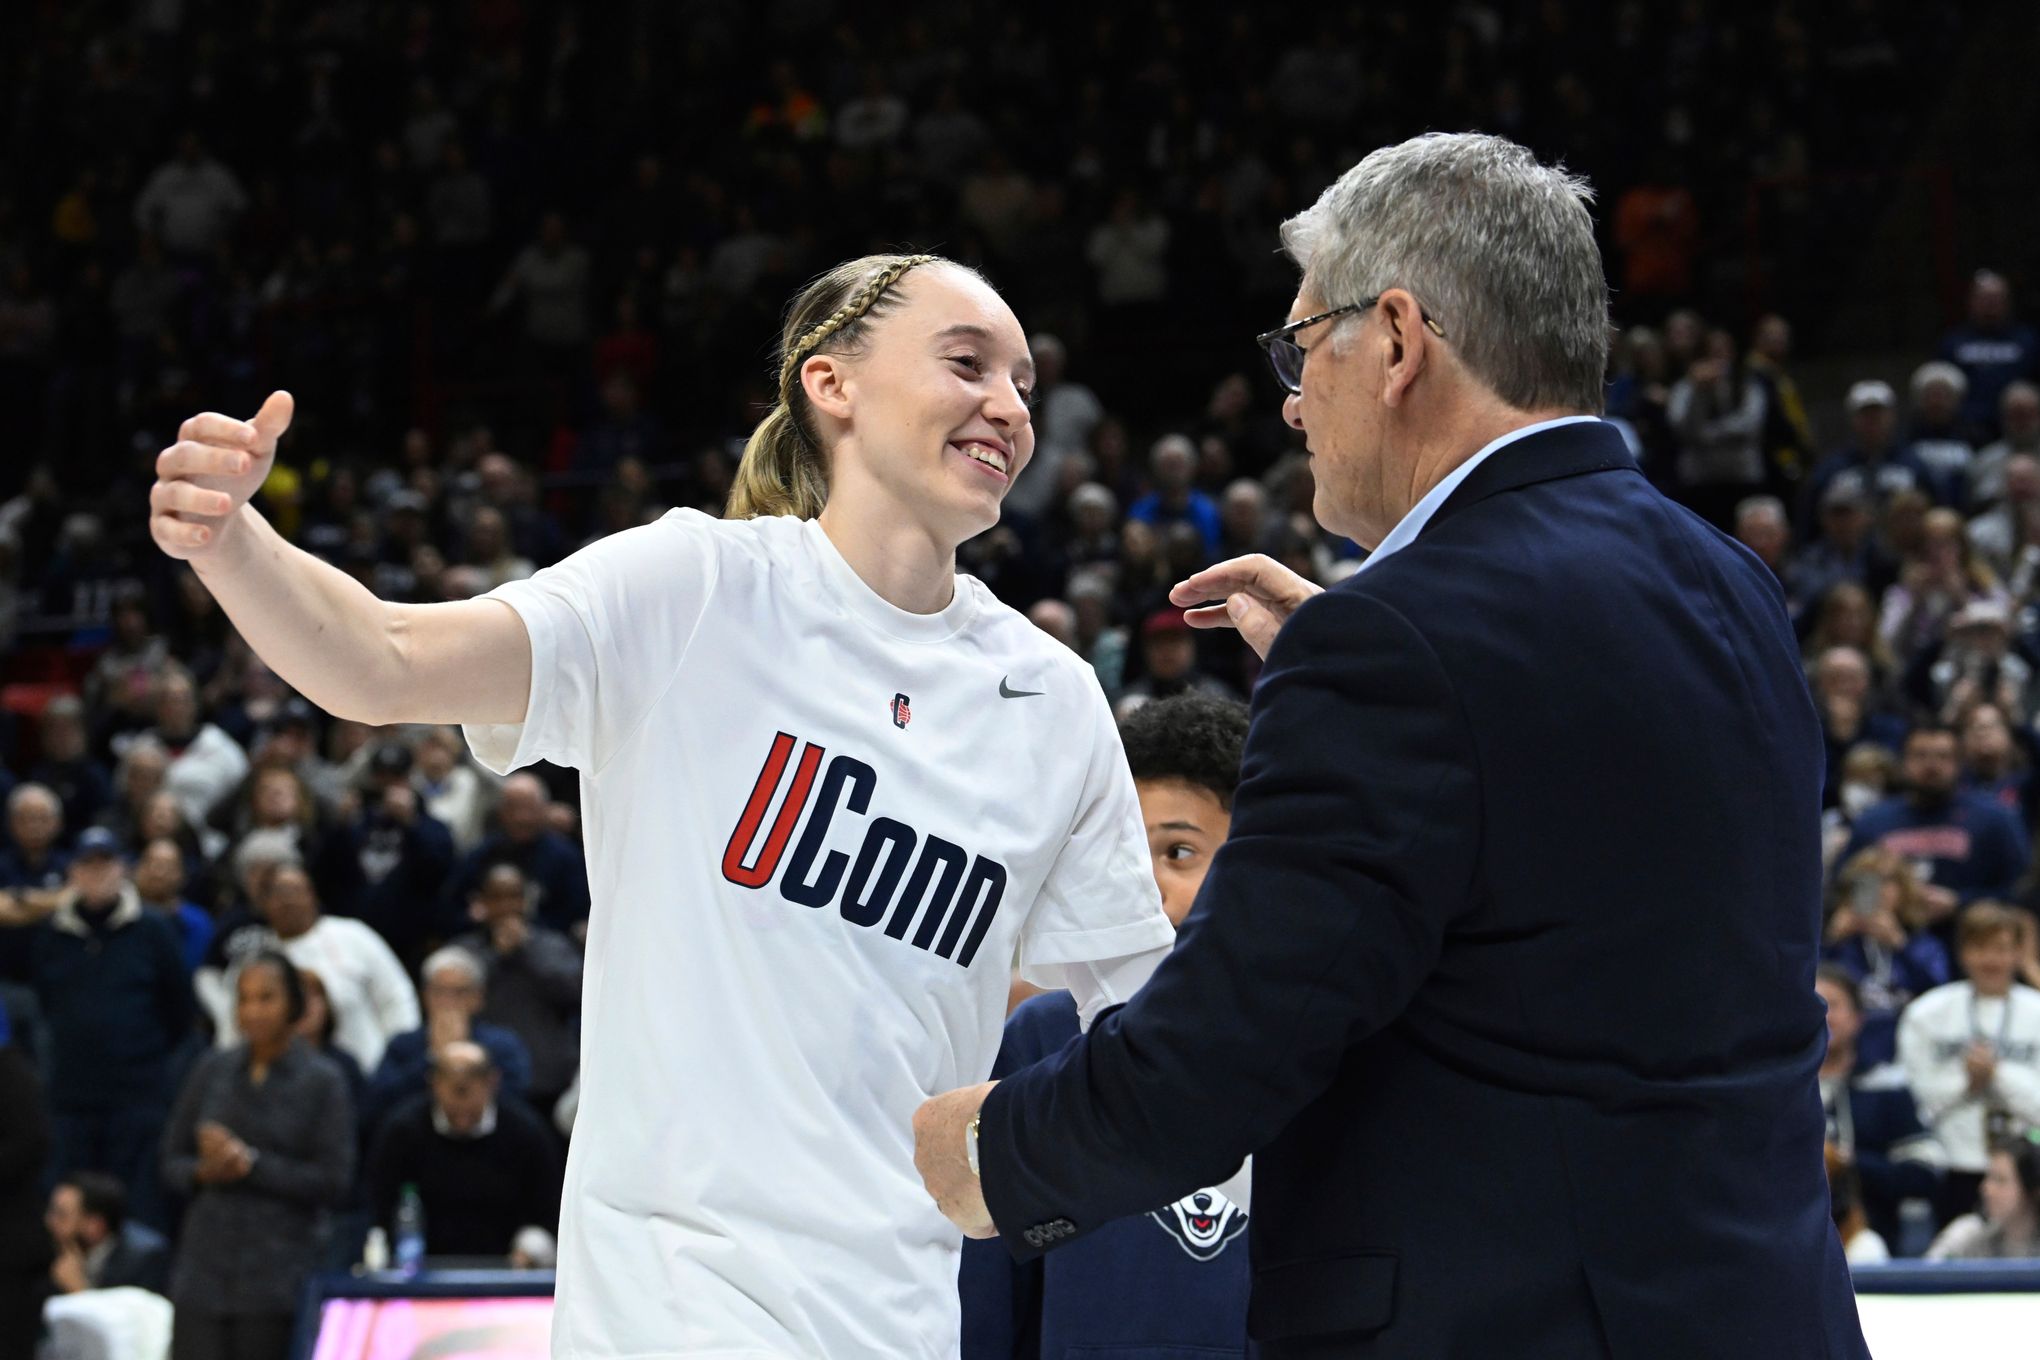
[1168, 652]
[1992, 347]
[116, 998]
[1974, 664]
[1964, 844]
[1937, 434]
[1873, 455]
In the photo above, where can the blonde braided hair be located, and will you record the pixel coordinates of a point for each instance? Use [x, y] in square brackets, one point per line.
[785, 470]
[850, 311]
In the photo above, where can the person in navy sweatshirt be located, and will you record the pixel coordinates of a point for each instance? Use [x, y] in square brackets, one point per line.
[1993, 348]
[1171, 1283]
[1964, 844]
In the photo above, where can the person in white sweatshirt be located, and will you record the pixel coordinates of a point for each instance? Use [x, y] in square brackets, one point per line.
[1971, 1051]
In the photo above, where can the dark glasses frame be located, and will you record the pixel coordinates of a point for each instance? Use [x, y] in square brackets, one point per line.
[1286, 357]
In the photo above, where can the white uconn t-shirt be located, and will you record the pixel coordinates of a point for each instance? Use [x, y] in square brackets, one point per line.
[817, 834]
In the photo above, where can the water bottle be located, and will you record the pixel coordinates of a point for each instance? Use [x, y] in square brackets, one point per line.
[410, 1231]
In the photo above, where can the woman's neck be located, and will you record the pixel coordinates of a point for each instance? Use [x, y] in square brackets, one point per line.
[898, 558]
[1994, 989]
[263, 1056]
[1840, 1060]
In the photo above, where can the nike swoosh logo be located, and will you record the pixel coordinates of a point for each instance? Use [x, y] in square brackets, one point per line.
[1008, 692]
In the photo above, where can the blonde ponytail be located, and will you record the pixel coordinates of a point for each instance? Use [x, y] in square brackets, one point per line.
[780, 472]
[784, 470]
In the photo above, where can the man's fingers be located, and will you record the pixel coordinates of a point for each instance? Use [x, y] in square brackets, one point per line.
[274, 417]
[214, 428]
[1255, 574]
[1208, 616]
[196, 458]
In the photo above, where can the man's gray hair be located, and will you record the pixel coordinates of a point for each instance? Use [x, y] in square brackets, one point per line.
[1767, 507]
[459, 960]
[1095, 493]
[1498, 250]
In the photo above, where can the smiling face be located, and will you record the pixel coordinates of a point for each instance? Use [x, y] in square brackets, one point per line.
[930, 419]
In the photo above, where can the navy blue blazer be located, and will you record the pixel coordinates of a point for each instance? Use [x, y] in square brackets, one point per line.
[1505, 972]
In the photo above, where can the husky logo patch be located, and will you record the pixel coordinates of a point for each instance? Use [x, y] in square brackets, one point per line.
[1202, 1223]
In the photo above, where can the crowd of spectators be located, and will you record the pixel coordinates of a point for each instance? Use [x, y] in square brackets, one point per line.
[520, 263]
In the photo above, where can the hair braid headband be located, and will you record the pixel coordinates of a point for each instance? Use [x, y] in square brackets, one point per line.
[841, 317]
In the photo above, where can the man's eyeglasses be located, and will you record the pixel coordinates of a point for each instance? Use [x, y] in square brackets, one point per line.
[1285, 356]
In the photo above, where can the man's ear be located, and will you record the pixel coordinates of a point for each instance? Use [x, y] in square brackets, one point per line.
[1409, 344]
[826, 380]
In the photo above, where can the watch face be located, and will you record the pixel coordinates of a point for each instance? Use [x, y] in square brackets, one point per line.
[970, 1144]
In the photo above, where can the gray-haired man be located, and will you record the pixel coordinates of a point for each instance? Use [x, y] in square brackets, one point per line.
[1504, 976]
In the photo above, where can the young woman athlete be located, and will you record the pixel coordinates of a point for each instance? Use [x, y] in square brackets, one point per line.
[830, 789]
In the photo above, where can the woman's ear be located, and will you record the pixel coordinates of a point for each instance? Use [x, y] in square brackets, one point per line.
[826, 380]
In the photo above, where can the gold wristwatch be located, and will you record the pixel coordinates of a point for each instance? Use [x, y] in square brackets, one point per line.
[970, 1141]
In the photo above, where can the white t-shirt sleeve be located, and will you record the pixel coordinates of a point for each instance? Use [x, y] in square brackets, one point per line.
[1099, 901]
[609, 627]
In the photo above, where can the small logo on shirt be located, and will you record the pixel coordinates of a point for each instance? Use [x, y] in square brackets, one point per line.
[1006, 691]
[902, 714]
[1202, 1223]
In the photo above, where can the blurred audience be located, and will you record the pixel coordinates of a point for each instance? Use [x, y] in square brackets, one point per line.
[455, 994]
[532, 980]
[2006, 1221]
[116, 995]
[98, 1246]
[1971, 1052]
[486, 1167]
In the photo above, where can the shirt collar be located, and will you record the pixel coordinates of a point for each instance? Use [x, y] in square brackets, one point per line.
[126, 911]
[1412, 524]
[482, 1129]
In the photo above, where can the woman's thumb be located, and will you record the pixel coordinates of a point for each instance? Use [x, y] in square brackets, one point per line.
[274, 418]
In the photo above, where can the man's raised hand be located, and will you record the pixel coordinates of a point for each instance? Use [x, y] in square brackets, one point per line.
[1259, 595]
